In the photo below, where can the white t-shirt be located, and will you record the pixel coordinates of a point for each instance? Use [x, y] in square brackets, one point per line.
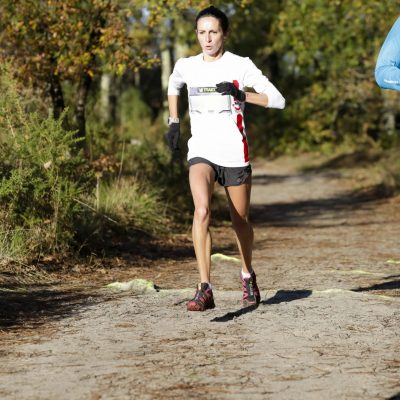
[217, 125]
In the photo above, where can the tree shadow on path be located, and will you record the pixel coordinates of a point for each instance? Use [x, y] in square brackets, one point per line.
[302, 213]
[39, 304]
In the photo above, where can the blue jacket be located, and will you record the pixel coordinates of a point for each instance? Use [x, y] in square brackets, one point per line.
[387, 70]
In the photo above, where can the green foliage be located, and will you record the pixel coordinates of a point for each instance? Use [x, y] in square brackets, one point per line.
[151, 162]
[51, 42]
[47, 197]
[134, 114]
[40, 173]
[13, 242]
[321, 55]
[65, 38]
[328, 52]
[174, 9]
[137, 145]
[133, 122]
[134, 205]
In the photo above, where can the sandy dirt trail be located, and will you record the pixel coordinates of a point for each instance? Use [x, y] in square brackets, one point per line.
[327, 327]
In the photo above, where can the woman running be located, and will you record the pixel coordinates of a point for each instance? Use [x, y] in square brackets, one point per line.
[218, 149]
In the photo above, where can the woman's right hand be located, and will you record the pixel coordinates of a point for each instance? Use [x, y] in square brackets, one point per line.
[172, 136]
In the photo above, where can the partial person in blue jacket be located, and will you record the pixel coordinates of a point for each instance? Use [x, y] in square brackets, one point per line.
[387, 70]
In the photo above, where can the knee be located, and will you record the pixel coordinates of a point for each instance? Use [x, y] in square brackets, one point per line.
[202, 214]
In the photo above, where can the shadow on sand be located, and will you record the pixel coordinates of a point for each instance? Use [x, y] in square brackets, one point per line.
[281, 296]
[303, 213]
[285, 296]
[38, 304]
[392, 285]
[234, 314]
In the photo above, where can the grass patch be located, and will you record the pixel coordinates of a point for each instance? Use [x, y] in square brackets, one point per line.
[13, 244]
[132, 204]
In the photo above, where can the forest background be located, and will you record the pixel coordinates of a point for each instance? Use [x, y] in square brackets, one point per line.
[83, 162]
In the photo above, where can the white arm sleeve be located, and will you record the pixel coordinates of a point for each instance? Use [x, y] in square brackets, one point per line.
[260, 83]
[176, 81]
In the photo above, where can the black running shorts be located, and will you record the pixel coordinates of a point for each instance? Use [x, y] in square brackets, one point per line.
[226, 176]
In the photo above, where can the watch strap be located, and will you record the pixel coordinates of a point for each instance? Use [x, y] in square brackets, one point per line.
[172, 120]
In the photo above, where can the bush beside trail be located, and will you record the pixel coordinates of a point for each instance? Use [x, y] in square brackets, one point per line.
[41, 175]
[50, 199]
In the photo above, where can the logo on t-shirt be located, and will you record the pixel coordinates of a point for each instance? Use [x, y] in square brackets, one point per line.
[206, 100]
[200, 91]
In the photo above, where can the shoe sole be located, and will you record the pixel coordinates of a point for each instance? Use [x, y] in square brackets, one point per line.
[210, 307]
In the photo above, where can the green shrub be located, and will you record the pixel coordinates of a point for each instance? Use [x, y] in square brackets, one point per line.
[40, 173]
[135, 140]
[13, 242]
[152, 163]
[133, 205]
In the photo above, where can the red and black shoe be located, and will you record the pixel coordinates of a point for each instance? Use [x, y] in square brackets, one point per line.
[251, 293]
[203, 299]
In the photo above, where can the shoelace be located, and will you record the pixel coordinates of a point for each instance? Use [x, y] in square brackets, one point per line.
[248, 287]
[251, 288]
[200, 296]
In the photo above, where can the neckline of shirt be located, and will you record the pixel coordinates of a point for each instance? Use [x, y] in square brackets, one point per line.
[216, 61]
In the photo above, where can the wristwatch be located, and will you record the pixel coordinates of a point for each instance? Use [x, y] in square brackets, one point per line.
[173, 120]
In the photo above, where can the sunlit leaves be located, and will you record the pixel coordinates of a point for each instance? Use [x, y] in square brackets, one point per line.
[329, 48]
[66, 38]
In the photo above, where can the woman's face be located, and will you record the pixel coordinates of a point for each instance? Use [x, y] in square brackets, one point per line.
[210, 36]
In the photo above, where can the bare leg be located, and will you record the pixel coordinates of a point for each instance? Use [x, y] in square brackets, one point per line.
[201, 179]
[239, 204]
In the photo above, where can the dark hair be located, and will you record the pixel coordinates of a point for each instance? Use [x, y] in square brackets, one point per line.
[216, 13]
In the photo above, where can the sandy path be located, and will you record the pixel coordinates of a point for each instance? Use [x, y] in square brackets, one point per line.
[328, 325]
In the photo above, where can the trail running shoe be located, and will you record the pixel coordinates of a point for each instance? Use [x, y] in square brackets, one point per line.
[202, 300]
[251, 293]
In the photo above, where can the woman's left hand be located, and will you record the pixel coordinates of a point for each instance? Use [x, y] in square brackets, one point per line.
[231, 89]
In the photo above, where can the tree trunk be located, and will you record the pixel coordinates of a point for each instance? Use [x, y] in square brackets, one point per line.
[85, 82]
[390, 108]
[57, 96]
[105, 85]
[171, 50]
[166, 70]
[83, 90]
